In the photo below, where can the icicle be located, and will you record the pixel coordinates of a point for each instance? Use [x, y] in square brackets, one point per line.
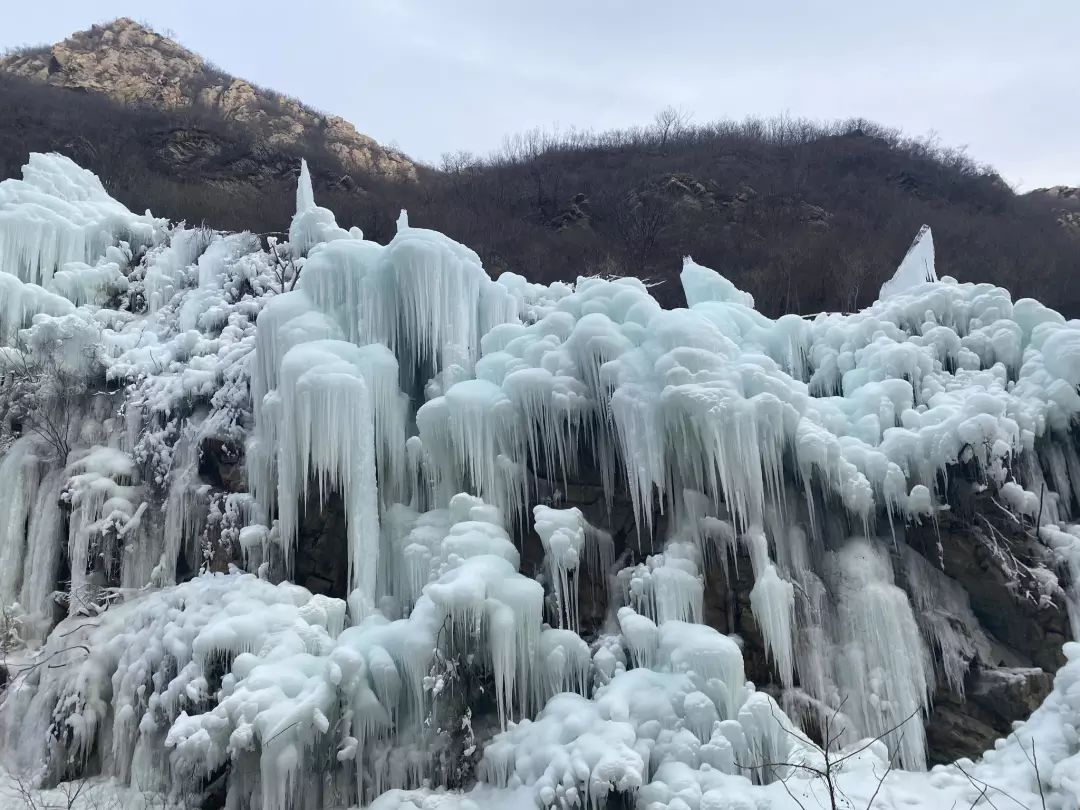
[562, 531]
[183, 516]
[328, 434]
[772, 600]
[19, 477]
[42, 563]
[305, 195]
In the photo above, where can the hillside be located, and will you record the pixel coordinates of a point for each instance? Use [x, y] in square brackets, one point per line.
[806, 217]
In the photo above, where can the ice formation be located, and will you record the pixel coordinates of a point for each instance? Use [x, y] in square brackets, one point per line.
[916, 268]
[223, 414]
[60, 213]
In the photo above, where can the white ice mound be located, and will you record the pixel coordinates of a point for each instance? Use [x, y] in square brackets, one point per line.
[916, 268]
[59, 213]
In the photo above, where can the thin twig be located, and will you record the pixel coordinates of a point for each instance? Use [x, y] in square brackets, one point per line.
[1034, 760]
[883, 734]
[977, 782]
[888, 769]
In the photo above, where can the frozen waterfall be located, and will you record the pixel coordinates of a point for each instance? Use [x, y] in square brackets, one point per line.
[401, 535]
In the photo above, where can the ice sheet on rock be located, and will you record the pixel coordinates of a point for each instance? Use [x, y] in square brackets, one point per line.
[41, 563]
[943, 611]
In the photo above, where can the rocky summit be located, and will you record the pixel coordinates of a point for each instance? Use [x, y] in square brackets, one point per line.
[137, 66]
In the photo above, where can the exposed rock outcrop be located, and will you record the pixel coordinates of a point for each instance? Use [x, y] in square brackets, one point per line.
[1065, 201]
[135, 65]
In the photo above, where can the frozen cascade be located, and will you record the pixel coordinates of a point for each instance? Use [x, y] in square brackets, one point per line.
[182, 512]
[882, 653]
[445, 408]
[20, 302]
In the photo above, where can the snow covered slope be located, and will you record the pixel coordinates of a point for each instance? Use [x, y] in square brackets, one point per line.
[196, 421]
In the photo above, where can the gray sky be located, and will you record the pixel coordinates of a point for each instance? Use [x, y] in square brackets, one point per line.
[998, 77]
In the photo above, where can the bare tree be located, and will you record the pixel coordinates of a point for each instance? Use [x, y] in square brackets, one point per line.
[41, 389]
[286, 273]
[641, 220]
[670, 123]
[70, 793]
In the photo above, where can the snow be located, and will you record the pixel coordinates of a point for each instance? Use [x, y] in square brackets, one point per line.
[443, 409]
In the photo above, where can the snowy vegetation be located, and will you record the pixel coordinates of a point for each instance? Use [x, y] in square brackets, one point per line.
[154, 633]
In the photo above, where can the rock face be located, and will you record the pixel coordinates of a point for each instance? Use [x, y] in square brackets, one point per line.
[134, 65]
[1063, 193]
[1066, 204]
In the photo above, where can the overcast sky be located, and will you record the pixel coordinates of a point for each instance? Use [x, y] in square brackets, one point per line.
[999, 77]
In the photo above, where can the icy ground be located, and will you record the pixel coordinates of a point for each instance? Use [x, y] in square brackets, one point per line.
[179, 403]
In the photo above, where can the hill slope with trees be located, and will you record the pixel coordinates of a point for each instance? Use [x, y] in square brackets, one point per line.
[806, 216]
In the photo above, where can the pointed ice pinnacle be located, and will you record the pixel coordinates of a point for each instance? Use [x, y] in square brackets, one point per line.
[916, 268]
[305, 194]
